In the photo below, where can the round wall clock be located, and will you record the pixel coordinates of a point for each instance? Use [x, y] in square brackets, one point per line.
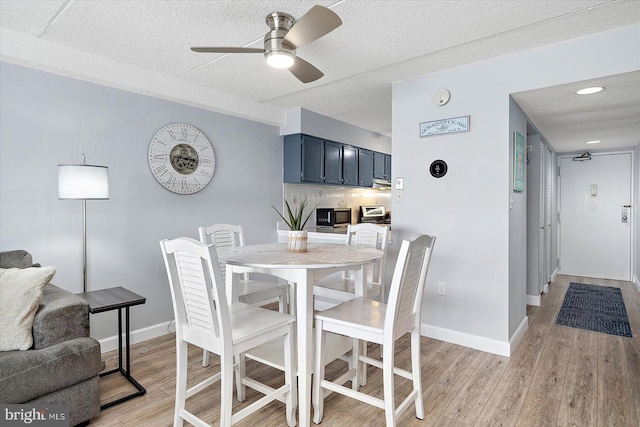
[181, 158]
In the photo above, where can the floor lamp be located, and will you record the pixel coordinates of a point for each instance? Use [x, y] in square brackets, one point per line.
[83, 182]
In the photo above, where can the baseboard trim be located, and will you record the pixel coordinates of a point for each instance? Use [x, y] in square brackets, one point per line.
[518, 335]
[637, 282]
[555, 274]
[501, 348]
[489, 345]
[533, 300]
[139, 335]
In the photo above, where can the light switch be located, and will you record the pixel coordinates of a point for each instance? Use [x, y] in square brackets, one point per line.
[399, 183]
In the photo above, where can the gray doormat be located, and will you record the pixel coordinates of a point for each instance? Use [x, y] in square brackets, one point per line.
[595, 308]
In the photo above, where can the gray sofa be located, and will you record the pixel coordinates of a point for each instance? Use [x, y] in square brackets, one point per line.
[64, 363]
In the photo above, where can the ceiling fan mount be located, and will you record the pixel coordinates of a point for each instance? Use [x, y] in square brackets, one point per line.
[285, 36]
[277, 52]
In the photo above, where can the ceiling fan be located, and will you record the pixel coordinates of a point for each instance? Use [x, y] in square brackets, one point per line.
[287, 35]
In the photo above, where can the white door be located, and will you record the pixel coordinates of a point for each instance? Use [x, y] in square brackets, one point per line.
[595, 216]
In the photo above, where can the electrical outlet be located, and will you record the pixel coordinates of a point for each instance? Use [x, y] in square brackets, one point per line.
[441, 288]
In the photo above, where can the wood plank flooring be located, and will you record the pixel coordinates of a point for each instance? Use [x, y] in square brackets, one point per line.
[558, 376]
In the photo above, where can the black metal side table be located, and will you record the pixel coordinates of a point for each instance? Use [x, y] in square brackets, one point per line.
[110, 299]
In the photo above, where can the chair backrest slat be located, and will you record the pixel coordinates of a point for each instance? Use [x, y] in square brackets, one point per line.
[407, 286]
[196, 288]
[370, 235]
[222, 236]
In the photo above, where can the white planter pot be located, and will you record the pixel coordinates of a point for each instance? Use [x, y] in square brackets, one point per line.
[298, 241]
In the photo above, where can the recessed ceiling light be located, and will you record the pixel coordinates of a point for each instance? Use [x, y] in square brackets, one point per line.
[593, 142]
[590, 90]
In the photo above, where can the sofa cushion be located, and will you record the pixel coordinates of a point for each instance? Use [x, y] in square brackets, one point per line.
[25, 375]
[62, 316]
[20, 294]
[16, 259]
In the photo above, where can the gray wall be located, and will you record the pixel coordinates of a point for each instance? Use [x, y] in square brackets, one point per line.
[46, 120]
[469, 209]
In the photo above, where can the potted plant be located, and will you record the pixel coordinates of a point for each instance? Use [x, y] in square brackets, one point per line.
[297, 235]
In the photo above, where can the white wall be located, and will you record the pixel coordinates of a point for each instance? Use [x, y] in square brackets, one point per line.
[299, 120]
[47, 120]
[477, 253]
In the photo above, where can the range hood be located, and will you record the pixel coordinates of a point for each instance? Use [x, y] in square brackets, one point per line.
[382, 184]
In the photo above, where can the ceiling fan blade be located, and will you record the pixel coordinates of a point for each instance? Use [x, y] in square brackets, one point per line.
[227, 50]
[314, 24]
[304, 71]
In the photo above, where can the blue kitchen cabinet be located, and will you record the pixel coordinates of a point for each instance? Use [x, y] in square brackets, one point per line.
[332, 163]
[387, 166]
[349, 165]
[303, 159]
[316, 160]
[381, 166]
[365, 168]
[340, 164]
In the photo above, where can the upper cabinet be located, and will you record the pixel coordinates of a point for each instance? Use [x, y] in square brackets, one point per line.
[315, 160]
[332, 163]
[382, 166]
[349, 165]
[303, 159]
[365, 167]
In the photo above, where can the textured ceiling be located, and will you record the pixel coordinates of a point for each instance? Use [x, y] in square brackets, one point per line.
[143, 46]
[611, 116]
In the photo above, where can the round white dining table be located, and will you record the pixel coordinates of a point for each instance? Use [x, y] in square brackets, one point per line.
[301, 270]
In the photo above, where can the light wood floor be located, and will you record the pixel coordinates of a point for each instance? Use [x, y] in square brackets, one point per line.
[558, 376]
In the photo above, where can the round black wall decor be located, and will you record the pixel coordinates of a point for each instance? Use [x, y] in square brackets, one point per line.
[438, 168]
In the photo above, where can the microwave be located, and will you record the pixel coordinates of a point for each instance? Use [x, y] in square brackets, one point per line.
[333, 217]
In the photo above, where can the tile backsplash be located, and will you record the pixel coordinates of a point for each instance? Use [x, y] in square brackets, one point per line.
[326, 196]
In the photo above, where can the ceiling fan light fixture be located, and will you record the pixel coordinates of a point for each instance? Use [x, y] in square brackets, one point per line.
[595, 141]
[590, 90]
[280, 59]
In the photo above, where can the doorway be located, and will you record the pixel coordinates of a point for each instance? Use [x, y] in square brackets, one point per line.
[595, 215]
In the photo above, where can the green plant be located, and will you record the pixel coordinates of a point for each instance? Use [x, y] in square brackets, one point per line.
[295, 222]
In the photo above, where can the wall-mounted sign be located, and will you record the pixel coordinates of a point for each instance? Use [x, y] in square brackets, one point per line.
[438, 168]
[444, 126]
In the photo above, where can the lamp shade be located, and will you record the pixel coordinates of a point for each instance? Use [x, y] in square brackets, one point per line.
[83, 182]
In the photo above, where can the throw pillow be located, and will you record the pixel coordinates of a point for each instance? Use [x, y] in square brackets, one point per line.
[20, 294]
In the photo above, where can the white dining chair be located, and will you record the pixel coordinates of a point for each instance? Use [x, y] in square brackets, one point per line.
[249, 291]
[205, 319]
[372, 321]
[331, 291]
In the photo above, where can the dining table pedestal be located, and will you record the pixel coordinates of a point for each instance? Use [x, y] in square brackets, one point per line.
[301, 271]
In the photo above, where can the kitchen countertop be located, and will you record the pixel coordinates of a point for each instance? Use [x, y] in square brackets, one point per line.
[324, 234]
[332, 230]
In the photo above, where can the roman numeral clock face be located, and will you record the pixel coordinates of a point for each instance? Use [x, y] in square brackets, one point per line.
[181, 158]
